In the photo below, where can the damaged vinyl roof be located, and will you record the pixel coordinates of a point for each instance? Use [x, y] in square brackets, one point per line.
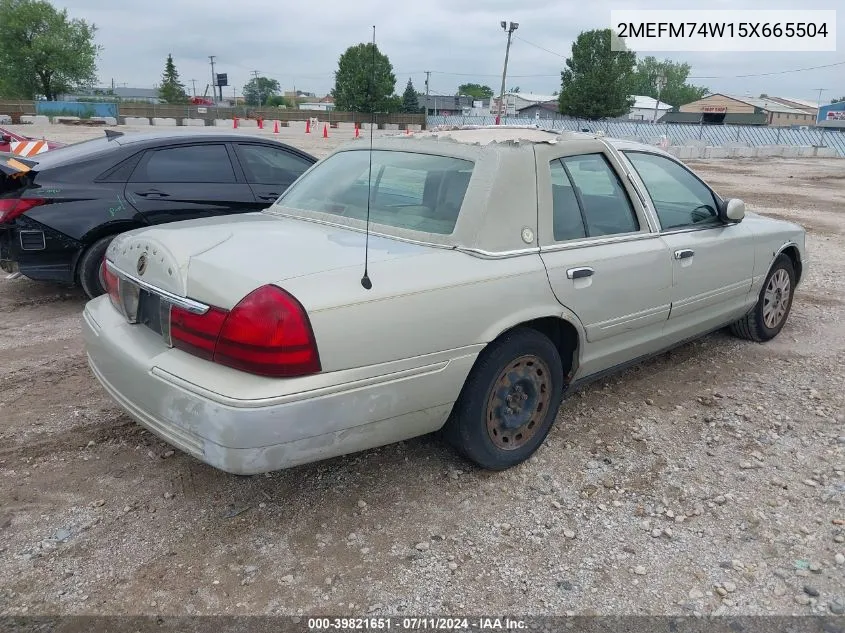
[484, 135]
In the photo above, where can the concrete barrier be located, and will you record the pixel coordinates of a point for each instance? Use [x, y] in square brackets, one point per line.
[136, 120]
[62, 119]
[223, 122]
[414, 127]
[715, 152]
[164, 121]
[741, 152]
[247, 123]
[391, 126]
[826, 152]
[766, 151]
[790, 151]
[194, 122]
[806, 150]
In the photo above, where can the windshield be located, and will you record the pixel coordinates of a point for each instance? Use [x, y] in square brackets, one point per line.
[421, 192]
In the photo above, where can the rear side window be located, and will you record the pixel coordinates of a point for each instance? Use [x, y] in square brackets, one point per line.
[190, 163]
[604, 203]
[567, 221]
[410, 191]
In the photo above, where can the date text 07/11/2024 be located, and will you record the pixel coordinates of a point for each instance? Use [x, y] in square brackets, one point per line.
[414, 624]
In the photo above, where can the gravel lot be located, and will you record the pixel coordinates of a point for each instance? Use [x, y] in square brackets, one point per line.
[708, 480]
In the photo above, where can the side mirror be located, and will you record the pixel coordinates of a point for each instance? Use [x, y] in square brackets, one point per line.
[6, 138]
[735, 210]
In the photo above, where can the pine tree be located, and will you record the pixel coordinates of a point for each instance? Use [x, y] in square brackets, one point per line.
[410, 101]
[171, 89]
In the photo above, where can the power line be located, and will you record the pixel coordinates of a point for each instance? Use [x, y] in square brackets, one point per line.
[778, 72]
[522, 39]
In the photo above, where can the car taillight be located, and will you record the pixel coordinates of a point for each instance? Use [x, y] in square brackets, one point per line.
[111, 284]
[11, 208]
[267, 333]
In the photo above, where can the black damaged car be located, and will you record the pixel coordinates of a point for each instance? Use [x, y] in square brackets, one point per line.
[59, 210]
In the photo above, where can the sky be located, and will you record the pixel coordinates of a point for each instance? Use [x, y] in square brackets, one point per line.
[459, 41]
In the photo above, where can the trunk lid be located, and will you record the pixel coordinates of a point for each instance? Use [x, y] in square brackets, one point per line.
[220, 260]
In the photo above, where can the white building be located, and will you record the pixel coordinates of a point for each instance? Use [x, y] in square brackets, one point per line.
[318, 105]
[644, 109]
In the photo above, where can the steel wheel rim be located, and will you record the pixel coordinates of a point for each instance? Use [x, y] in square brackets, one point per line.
[518, 402]
[776, 298]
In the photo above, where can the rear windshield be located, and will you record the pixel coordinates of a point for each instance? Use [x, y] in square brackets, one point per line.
[420, 192]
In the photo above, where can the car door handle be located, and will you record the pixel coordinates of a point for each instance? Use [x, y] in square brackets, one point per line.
[151, 193]
[269, 196]
[684, 253]
[579, 273]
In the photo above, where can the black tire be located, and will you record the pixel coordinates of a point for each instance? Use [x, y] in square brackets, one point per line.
[89, 267]
[476, 427]
[754, 326]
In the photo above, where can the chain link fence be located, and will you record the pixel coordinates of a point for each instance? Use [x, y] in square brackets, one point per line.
[677, 133]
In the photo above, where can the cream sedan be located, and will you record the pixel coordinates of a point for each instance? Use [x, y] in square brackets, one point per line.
[504, 267]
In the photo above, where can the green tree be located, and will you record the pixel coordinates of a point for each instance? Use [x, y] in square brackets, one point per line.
[410, 100]
[258, 90]
[353, 91]
[596, 82]
[676, 90]
[476, 91]
[276, 101]
[839, 100]
[43, 51]
[171, 89]
[514, 90]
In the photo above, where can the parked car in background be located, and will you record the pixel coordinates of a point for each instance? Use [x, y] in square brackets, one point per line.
[505, 267]
[60, 210]
[33, 145]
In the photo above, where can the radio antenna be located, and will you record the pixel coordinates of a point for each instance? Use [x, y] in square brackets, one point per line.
[365, 280]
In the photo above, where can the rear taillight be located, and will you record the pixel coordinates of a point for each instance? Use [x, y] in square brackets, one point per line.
[11, 208]
[111, 283]
[267, 333]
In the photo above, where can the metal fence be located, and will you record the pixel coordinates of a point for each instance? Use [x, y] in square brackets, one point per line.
[677, 133]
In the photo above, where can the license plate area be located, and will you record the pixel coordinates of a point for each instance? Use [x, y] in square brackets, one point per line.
[146, 308]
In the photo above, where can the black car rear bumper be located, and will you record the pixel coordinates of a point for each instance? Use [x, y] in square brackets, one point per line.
[37, 251]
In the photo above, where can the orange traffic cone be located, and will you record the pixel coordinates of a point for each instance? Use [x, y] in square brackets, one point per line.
[275, 127]
[260, 124]
[235, 123]
[357, 131]
[308, 126]
[325, 131]
[407, 131]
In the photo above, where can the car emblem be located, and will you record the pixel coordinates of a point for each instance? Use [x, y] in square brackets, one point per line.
[142, 264]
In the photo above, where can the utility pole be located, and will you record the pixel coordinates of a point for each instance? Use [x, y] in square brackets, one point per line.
[257, 87]
[509, 28]
[194, 84]
[213, 77]
[821, 90]
[661, 83]
[427, 76]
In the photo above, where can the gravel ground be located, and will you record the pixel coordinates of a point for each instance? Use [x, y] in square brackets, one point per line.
[708, 480]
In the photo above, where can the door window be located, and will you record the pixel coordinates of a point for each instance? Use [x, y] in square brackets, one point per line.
[187, 163]
[269, 165]
[605, 206]
[567, 221]
[680, 199]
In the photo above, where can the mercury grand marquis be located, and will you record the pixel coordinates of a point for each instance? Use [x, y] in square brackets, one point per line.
[504, 268]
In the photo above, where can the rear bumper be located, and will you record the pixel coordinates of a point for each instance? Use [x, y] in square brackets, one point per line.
[48, 256]
[250, 437]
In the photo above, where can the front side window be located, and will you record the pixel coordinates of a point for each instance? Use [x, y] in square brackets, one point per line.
[605, 205]
[410, 191]
[270, 166]
[680, 199]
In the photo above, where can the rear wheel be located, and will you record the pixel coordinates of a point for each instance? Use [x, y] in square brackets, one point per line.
[89, 267]
[509, 402]
[767, 318]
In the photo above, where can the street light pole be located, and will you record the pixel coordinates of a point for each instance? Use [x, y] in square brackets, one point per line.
[509, 28]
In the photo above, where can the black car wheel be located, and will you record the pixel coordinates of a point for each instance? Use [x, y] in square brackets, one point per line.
[767, 318]
[509, 402]
[89, 267]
